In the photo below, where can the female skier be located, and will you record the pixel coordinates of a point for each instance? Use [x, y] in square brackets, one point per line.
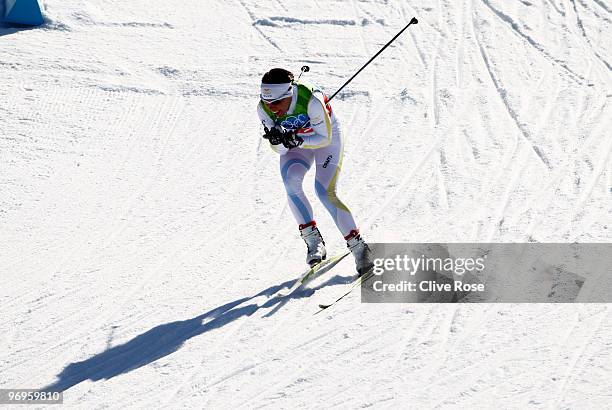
[301, 126]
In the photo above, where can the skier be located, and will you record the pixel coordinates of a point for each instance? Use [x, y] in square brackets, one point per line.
[301, 126]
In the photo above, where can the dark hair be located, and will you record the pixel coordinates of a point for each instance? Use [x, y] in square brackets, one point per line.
[277, 76]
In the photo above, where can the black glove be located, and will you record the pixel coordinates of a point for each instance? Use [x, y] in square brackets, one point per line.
[292, 141]
[274, 135]
[278, 135]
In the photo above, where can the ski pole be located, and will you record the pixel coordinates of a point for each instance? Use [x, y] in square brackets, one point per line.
[303, 70]
[412, 21]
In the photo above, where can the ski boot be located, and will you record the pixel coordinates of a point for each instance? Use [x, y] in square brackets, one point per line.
[361, 251]
[314, 241]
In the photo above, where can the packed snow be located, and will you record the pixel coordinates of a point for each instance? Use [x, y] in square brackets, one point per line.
[144, 227]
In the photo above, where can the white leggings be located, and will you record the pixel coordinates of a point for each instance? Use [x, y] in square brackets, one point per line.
[294, 165]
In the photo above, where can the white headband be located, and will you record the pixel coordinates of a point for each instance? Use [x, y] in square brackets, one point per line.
[274, 92]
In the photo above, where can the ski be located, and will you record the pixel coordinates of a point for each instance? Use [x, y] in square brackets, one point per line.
[311, 273]
[352, 286]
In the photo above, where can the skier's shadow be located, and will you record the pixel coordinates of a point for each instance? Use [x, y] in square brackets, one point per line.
[166, 339]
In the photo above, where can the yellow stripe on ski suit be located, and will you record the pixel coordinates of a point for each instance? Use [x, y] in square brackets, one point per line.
[331, 188]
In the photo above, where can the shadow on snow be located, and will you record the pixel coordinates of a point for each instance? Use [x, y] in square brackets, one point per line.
[167, 338]
[7, 28]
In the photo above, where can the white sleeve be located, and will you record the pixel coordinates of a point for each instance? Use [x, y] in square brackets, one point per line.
[320, 122]
[265, 119]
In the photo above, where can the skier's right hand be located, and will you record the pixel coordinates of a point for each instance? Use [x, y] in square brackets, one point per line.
[274, 135]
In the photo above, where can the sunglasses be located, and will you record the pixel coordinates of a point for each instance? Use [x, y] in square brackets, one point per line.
[273, 103]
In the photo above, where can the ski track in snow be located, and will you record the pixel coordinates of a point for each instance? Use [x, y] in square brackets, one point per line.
[145, 230]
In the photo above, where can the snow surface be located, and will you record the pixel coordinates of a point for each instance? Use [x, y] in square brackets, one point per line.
[144, 227]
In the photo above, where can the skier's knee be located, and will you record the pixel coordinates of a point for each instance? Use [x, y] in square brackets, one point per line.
[329, 197]
[293, 186]
[326, 194]
[322, 192]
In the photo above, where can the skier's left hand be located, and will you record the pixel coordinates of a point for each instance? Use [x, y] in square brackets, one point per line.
[291, 140]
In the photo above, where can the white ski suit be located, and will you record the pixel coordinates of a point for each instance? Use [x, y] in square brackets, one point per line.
[323, 146]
